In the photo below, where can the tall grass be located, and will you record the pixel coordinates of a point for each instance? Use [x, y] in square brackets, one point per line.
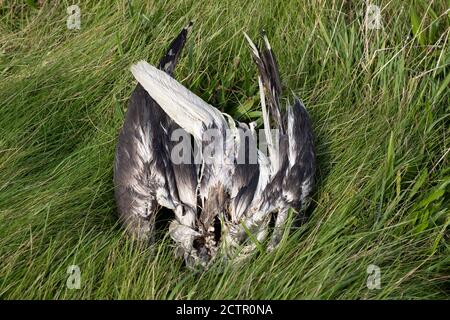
[379, 101]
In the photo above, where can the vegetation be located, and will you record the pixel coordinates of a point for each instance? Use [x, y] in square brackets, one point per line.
[378, 98]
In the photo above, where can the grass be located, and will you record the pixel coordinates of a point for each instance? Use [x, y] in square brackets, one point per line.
[379, 101]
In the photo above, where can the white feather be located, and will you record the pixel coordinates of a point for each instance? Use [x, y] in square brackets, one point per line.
[188, 110]
[182, 235]
[292, 154]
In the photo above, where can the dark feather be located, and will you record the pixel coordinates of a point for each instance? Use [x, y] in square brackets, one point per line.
[143, 169]
[170, 59]
[300, 178]
[268, 71]
[246, 174]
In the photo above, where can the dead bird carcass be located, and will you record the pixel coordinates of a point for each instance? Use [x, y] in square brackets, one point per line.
[222, 205]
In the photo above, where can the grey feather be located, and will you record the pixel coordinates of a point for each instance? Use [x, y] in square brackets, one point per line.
[217, 202]
[144, 176]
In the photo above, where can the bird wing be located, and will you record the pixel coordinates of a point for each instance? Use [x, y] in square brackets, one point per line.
[299, 180]
[223, 177]
[246, 173]
[270, 91]
[184, 107]
[291, 152]
[199, 119]
[169, 61]
[270, 77]
[293, 159]
[144, 176]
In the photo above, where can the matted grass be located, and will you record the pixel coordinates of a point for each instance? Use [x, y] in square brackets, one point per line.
[378, 98]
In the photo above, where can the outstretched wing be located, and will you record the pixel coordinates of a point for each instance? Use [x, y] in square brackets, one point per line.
[299, 180]
[246, 173]
[144, 177]
[269, 76]
[184, 107]
[208, 127]
[170, 59]
[291, 154]
[220, 181]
